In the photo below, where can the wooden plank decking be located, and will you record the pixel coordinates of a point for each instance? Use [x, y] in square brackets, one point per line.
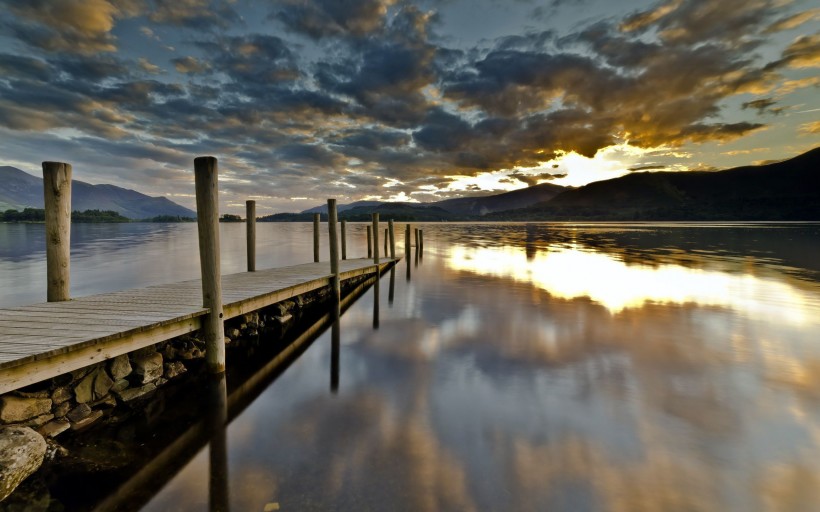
[41, 341]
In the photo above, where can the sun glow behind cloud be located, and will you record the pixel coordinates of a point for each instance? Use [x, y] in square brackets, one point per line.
[572, 273]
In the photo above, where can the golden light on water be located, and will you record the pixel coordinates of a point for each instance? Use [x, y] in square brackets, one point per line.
[571, 273]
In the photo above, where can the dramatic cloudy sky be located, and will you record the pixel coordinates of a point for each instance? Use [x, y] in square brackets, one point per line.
[415, 100]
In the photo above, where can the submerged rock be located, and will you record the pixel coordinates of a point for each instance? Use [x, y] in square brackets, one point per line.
[21, 453]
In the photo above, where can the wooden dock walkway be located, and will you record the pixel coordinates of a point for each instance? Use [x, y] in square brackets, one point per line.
[41, 341]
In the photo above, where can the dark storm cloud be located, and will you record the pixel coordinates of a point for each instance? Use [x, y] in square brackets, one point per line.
[371, 139]
[324, 18]
[695, 21]
[761, 105]
[194, 14]
[26, 68]
[646, 168]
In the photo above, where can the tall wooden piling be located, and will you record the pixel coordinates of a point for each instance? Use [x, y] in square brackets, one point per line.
[407, 241]
[369, 242]
[344, 239]
[375, 222]
[335, 284]
[250, 228]
[391, 229]
[386, 237]
[57, 196]
[416, 236]
[316, 220]
[421, 240]
[207, 214]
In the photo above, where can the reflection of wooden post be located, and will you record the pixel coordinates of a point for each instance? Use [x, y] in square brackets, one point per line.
[369, 242]
[57, 196]
[335, 348]
[207, 214]
[250, 224]
[385, 243]
[316, 219]
[335, 285]
[217, 410]
[344, 240]
[390, 228]
[407, 249]
[375, 219]
[390, 291]
[376, 301]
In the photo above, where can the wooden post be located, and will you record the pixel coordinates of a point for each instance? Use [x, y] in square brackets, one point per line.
[375, 221]
[344, 239]
[416, 234]
[335, 285]
[316, 219]
[207, 214]
[57, 195]
[250, 225]
[421, 240]
[390, 228]
[407, 241]
[369, 242]
[385, 242]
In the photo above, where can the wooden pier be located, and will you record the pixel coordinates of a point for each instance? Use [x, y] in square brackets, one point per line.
[41, 341]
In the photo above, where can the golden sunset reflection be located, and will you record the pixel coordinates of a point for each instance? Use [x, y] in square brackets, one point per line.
[573, 273]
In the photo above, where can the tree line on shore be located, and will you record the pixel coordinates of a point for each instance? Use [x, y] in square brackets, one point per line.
[34, 215]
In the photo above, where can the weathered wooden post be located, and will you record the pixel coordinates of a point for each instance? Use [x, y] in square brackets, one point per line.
[250, 225]
[344, 239]
[207, 214]
[390, 228]
[335, 285]
[407, 241]
[385, 242]
[57, 196]
[416, 235]
[369, 242]
[421, 240]
[316, 219]
[375, 221]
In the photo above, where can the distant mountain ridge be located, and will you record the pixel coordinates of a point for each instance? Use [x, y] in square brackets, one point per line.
[450, 208]
[786, 190]
[19, 190]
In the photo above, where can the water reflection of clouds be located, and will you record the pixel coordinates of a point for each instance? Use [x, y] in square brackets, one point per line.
[571, 273]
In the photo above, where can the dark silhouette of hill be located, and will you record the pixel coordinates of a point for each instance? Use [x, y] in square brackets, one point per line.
[521, 198]
[450, 209]
[787, 190]
[19, 190]
[342, 207]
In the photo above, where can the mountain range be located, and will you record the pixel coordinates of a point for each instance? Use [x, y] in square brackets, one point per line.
[19, 190]
[786, 190]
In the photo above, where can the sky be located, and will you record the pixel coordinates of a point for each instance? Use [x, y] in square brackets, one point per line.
[302, 100]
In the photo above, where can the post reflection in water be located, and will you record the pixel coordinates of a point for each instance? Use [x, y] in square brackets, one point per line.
[217, 414]
[376, 302]
[392, 289]
[335, 349]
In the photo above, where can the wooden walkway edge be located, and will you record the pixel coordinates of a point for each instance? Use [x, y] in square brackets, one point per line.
[41, 341]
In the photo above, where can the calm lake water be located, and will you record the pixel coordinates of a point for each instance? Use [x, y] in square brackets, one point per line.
[600, 367]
